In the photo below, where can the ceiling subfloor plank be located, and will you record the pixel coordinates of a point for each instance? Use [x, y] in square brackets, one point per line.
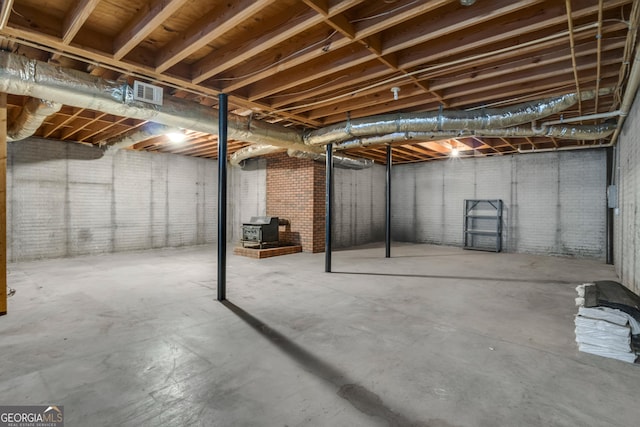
[148, 18]
[76, 17]
[209, 27]
[572, 43]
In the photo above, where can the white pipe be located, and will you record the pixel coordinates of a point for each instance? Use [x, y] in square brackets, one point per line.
[629, 94]
[571, 148]
[585, 117]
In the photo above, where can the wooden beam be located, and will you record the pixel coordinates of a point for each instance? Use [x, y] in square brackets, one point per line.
[506, 141]
[437, 26]
[150, 17]
[329, 64]
[531, 61]
[448, 46]
[5, 12]
[320, 6]
[209, 27]
[3, 204]
[599, 49]
[369, 27]
[75, 19]
[53, 42]
[231, 55]
[572, 43]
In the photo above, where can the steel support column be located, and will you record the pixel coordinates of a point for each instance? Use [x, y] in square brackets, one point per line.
[609, 211]
[222, 197]
[387, 233]
[328, 209]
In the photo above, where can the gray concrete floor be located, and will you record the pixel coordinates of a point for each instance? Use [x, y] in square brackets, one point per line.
[435, 336]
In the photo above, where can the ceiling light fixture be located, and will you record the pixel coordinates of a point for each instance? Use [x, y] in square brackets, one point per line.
[455, 152]
[176, 136]
[395, 91]
[467, 2]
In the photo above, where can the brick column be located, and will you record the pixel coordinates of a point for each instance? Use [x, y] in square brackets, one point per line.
[295, 192]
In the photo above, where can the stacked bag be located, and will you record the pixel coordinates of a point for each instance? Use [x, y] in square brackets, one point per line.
[604, 330]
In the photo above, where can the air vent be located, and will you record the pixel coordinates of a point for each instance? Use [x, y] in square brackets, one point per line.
[147, 93]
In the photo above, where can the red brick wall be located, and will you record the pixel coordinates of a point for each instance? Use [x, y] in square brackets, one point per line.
[319, 205]
[295, 191]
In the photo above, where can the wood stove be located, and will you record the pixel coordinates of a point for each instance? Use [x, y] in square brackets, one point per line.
[260, 231]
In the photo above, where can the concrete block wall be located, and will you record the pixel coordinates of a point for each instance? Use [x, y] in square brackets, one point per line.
[359, 206]
[67, 199]
[554, 203]
[246, 195]
[627, 219]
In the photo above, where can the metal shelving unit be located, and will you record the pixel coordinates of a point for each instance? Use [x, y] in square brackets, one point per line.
[483, 225]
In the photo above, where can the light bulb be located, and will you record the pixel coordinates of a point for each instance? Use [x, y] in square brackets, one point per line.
[176, 136]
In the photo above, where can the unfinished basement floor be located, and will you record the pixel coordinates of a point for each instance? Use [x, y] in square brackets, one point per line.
[435, 336]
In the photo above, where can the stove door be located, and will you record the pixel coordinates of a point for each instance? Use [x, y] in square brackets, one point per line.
[252, 233]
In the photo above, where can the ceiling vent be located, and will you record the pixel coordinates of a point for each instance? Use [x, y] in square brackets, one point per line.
[146, 92]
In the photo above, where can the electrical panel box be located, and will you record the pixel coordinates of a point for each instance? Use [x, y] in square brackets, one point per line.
[612, 196]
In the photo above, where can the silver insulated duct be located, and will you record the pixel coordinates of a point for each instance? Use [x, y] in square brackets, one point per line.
[31, 117]
[443, 121]
[339, 161]
[254, 150]
[575, 132]
[22, 76]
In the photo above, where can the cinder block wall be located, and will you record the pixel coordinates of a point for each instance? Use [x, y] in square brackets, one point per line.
[554, 203]
[67, 199]
[359, 206]
[246, 195]
[627, 219]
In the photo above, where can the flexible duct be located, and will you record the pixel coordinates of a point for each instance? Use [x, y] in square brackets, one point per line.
[576, 132]
[131, 138]
[253, 151]
[584, 132]
[490, 118]
[22, 76]
[343, 162]
[31, 117]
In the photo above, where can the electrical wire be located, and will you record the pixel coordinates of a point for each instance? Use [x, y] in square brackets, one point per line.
[439, 66]
[388, 12]
[491, 67]
[521, 98]
[280, 61]
[280, 95]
